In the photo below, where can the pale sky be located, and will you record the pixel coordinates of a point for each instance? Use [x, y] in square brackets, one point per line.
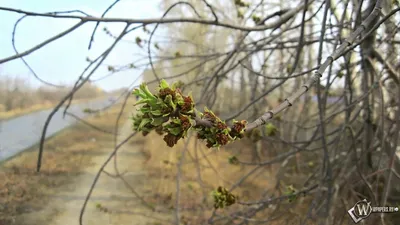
[63, 60]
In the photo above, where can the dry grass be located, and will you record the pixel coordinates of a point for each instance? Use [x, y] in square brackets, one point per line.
[7, 115]
[18, 97]
[22, 189]
[203, 170]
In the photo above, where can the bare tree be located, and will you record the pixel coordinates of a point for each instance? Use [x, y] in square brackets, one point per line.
[252, 60]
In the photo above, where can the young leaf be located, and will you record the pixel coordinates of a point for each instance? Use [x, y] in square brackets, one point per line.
[291, 192]
[156, 112]
[176, 85]
[146, 91]
[256, 19]
[169, 102]
[233, 160]
[138, 41]
[270, 129]
[144, 110]
[111, 68]
[179, 99]
[158, 121]
[142, 101]
[176, 120]
[240, 14]
[175, 130]
[139, 92]
[163, 84]
[143, 123]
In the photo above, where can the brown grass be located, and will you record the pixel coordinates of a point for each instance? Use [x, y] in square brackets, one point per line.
[22, 189]
[7, 115]
[204, 169]
[18, 97]
[199, 179]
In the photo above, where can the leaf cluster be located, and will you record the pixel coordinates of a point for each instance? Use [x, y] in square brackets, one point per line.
[291, 193]
[241, 3]
[168, 111]
[171, 113]
[219, 133]
[223, 198]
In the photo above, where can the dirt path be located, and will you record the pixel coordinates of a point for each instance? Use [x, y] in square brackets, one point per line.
[111, 202]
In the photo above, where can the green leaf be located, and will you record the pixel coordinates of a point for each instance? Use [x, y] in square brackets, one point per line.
[177, 84]
[168, 100]
[146, 91]
[233, 160]
[212, 140]
[153, 104]
[270, 129]
[156, 112]
[179, 99]
[213, 130]
[146, 129]
[138, 40]
[256, 19]
[240, 13]
[142, 101]
[175, 130]
[163, 84]
[139, 92]
[158, 121]
[289, 68]
[144, 122]
[292, 197]
[176, 120]
[291, 193]
[144, 110]
[111, 68]
[161, 104]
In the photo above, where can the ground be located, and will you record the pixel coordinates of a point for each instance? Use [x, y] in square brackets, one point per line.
[112, 202]
[71, 160]
[55, 196]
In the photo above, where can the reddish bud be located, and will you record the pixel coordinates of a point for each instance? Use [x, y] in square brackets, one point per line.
[171, 140]
[222, 139]
[221, 126]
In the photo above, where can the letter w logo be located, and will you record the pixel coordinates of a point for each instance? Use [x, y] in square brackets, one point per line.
[364, 209]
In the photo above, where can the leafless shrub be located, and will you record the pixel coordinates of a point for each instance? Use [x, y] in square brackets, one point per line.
[253, 60]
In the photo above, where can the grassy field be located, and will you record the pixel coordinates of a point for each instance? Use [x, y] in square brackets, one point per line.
[23, 190]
